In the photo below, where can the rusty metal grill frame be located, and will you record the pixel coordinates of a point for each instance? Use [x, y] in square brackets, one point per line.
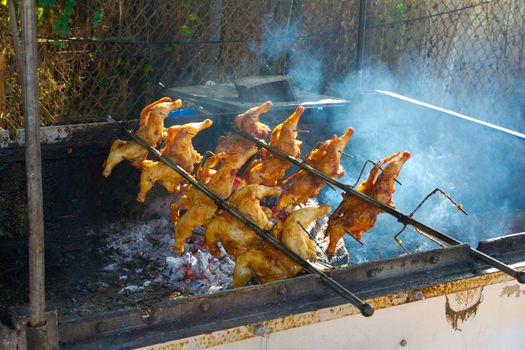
[172, 320]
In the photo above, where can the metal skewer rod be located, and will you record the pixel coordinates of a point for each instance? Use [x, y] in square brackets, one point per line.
[403, 218]
[346, 154]
[357, 239]
[365, 308]
[363, 169]
[312, 237]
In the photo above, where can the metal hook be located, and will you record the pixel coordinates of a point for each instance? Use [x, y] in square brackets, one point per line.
[346, 154]
[400, 242]
[357, 239]
[458, 206]
[312, 237]
[305, 230]
[363, 169]
[206, 155]
[331, 186]
[361, 173]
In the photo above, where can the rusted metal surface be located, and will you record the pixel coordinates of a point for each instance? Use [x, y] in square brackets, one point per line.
[17, 337]
[462, 306]
[245, 312]
[469, 288]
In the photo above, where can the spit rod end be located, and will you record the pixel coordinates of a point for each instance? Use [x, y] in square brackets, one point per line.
[521, 277]
[367, 310]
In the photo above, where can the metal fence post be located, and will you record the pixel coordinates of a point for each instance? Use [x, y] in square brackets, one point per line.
[361, 27]
[37, 327]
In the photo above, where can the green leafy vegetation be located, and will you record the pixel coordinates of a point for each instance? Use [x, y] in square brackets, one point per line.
[97, 19]
[186, 30]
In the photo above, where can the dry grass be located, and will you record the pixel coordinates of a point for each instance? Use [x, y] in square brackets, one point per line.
[84, 80]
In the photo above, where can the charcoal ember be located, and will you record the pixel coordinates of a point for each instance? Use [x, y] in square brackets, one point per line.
[341, 256]
[201, 264]
[174, 268]
[198, 272]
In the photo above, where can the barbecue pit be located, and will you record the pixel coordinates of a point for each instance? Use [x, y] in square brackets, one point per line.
[84, 148]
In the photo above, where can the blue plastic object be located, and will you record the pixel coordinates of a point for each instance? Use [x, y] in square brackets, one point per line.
[185, 112]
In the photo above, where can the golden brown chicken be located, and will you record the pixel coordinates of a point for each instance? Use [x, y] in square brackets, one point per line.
[234, 235]
[204, 174]
[268, 264]
[151, 130]
[249, 123]
[304, 185]
[201, 207]
[270, 168]
[178, 148]
[357, 217]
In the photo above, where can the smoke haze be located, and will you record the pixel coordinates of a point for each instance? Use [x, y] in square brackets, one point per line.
[479, 167]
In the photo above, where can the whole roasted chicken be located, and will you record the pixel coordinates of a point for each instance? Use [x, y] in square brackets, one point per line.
[204, 174]
[266, 263]
[234, 235]
[151, 130]
[179, 148]
[357, 217]
[270, 168]
[201, 208]
[249, 123]
[303, 185]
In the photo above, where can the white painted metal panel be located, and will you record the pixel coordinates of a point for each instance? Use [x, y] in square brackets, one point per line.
[494, 318]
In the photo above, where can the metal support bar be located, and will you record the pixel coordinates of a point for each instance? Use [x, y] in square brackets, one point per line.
[365, 308]
[403, 218]
[15, 38]
[37, 330]
[361, 27]
[454, 114]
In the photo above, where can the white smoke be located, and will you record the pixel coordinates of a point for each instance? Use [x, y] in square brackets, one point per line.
[478, 167]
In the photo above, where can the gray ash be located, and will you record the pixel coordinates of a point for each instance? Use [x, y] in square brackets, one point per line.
[141, 252]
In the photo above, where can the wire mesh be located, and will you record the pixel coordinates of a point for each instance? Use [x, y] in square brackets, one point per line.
[113, 57]
[464, 54]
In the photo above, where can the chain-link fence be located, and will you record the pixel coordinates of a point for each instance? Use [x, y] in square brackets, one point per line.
[464, 54]
[113, 57]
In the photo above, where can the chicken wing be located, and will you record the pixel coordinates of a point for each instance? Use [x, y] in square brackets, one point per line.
[304, 185]
[357, 217]
[201, 207]
[178, 148]
[151, 130]
[247, 122]
[270, 167]
[234, 235]
[267, 263]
